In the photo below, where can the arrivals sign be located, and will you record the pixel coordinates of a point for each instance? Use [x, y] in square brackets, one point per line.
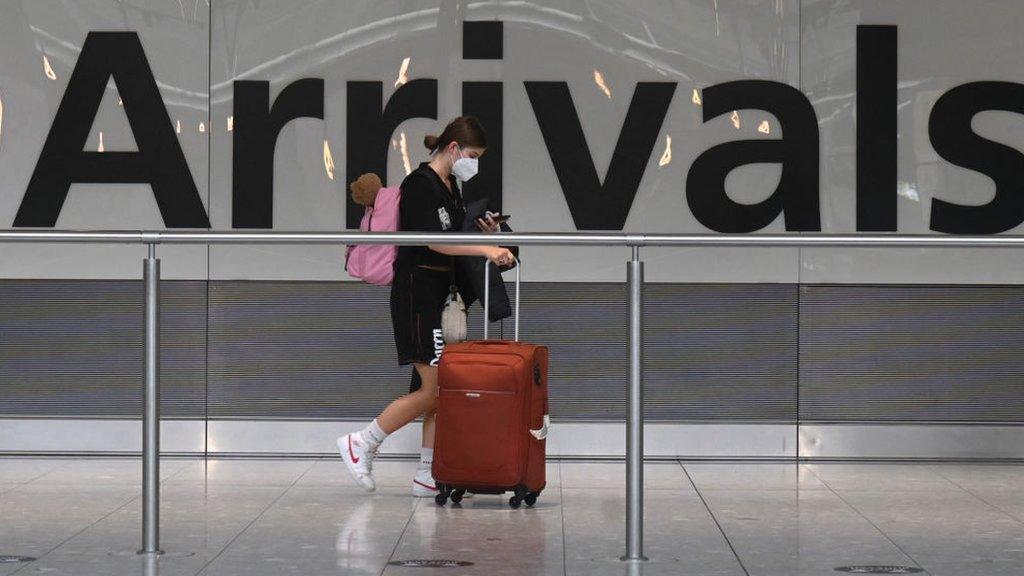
[595, 202]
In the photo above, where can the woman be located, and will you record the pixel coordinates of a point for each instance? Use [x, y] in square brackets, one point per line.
[431, 202]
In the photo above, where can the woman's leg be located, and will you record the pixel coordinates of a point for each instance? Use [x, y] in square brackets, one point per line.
[421, 402]
[416, 301]
[359, 448]
[429, 422]
[423, 482]
[413, 405]
[427, 445]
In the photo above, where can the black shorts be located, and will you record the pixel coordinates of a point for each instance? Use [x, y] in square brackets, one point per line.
[417, 298]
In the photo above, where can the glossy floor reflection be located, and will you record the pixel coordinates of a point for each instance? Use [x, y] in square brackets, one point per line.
[269, 517]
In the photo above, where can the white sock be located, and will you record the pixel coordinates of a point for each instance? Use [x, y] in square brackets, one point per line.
[372, 435]
[426, 458]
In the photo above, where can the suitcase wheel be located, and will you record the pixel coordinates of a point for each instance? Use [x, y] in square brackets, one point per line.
[521, 494]
[531, 498]
[457, 496]
[442, 494]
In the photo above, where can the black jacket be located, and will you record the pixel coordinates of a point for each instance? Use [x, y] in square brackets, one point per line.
[469, 270]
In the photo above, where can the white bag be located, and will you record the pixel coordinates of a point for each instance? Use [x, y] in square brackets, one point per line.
[453, 319]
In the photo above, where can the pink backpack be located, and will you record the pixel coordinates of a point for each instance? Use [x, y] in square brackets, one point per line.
[372, 263]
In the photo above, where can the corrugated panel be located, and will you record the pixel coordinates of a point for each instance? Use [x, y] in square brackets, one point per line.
[912, 353]
[325, 350]
[714, 352]
[585, 328]
[301, 350]
[721, 351]
[74, 348]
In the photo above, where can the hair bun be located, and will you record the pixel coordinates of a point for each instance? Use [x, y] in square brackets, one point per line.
[430, 141]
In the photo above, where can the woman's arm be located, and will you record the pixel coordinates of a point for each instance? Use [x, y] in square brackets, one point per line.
[485, 225]
[498, 255]
[461, 250]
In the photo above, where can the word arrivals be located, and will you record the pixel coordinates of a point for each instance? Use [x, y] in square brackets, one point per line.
[593, 203]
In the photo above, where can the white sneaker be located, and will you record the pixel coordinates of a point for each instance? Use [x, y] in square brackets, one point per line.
[423, 484]
[358, 459]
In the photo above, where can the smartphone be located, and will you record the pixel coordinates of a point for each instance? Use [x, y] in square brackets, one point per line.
[498, 218]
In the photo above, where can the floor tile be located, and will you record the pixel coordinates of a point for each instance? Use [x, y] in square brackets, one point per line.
[657, 475]
[37, 518]
[320, 530]
[21, 470]
[881, 477]
[486, 531]
[948, 533]
[266, 517]
[801, 532]
[107, 472]
[753, 476]
[680, 537]
[984, 477]
[244, 472]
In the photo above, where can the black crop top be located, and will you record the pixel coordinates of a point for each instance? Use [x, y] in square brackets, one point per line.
[427, 206]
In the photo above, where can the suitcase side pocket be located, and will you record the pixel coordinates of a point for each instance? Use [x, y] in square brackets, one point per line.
[484, 410]
[478, 445]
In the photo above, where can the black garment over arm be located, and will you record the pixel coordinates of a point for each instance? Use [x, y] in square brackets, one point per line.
[469, 270]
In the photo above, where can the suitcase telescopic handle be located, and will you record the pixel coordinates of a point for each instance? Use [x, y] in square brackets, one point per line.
[487, 296]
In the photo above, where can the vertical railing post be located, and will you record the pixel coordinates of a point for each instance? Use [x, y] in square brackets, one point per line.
[151, 409]
[635, 414]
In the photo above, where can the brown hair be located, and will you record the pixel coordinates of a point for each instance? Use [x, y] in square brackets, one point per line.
[464, 130]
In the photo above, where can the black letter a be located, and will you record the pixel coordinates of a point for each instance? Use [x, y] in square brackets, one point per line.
[159, 161]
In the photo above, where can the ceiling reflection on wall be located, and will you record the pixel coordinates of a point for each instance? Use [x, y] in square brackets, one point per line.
[328, 160]
[47, 69]
[403, 73]
[723, 50]
[599, 80]
[666, 156]
[607, 34]
[61, 49]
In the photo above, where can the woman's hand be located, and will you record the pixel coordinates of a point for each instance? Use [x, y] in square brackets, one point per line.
[487, 224]
[500, 256]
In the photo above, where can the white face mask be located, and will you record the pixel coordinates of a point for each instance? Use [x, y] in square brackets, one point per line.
[464, 168]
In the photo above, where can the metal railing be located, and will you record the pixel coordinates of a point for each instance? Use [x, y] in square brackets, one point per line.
[634, 276]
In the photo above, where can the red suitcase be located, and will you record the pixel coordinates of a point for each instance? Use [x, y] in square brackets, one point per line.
[492, 418]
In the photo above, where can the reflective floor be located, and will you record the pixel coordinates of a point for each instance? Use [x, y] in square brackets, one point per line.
[270, 517]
